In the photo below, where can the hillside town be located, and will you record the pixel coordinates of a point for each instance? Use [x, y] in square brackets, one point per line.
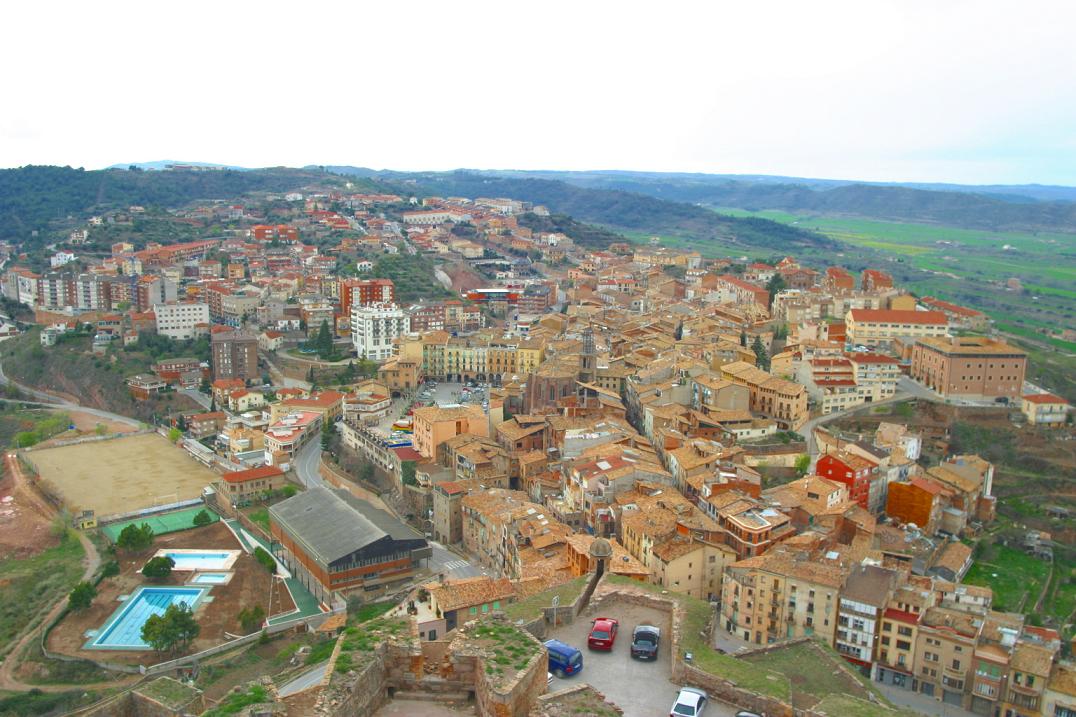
[451, 407]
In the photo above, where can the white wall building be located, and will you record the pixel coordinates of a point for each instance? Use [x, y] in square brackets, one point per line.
[374, 327]
[180, 321]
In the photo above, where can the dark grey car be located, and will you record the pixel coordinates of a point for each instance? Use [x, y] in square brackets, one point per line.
[644, 642]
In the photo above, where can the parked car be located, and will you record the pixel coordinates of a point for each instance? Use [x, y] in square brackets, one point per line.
[689, 703]
[644, 642]
[745, 713]
[602, 633]
[563, 658]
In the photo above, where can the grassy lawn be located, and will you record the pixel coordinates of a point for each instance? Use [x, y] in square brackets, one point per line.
[31, 584]
[369, 611]
[531, 607]
[1011, 574]
[261, 517]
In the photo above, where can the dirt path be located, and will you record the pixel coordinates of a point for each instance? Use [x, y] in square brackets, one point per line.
[91, 562]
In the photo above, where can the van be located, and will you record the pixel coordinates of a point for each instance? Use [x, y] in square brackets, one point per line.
[563, 659]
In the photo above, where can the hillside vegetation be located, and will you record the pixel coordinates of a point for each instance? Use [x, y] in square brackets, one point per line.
[33, 196]
[968, 208]
[623, 210]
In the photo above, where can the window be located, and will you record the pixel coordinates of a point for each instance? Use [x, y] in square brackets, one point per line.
[956, 664]
[474, 611]
[905, 631]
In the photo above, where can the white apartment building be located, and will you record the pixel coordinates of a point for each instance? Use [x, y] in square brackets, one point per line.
[374, 327]
[180, 321]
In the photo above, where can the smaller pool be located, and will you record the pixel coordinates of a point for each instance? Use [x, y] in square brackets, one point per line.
[210, 578]
[201, 559]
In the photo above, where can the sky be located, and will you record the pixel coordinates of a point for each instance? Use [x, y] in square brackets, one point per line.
[958, 91]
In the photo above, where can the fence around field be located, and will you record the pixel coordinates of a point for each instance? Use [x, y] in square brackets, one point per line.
[163, 519]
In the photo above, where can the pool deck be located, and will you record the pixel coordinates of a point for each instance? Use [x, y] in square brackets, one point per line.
[193, 559]
[123, 630]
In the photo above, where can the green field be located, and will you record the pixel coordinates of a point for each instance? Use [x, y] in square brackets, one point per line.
[966, 266]
[1016, 578]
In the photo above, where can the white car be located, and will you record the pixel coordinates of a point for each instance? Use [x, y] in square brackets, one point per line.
[689, 703]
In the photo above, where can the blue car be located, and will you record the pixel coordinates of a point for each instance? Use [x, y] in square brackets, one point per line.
[564, 659]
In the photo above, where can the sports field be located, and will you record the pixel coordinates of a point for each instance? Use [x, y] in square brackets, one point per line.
[121, 475]
[162, 523]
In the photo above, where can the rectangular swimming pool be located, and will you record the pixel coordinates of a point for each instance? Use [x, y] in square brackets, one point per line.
[201, 559]
[123, 631]
[210, 579]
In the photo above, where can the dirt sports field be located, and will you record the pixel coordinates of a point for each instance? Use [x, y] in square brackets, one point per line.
[121, 475]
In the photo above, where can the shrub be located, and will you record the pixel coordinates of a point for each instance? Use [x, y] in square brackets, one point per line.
[82, 596]
[266, 560]
[251, 618]
[158, 568]
[110, 569]
[202, 518]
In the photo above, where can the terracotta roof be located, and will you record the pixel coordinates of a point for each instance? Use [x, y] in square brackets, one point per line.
[467, 592]
[1044, 398]
[252, 474]
[894, 316]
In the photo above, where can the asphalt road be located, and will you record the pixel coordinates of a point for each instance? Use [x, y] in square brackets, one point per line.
[305, 681]
[197, 396]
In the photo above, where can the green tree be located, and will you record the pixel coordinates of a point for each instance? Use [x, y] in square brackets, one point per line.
[743, 338]
[251, 618]
[288, 490]
[82, 596]
[173, 630]
[135, 538]
[158, 568]
[174, 434]
[111, 569]
[328, 430]
[762, 358]
[324, 341]
[407, 473]
[203, 518]
[803, 462]
[775, 285]
[266, 560]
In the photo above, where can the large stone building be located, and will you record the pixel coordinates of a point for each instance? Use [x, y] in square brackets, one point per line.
[969, 367]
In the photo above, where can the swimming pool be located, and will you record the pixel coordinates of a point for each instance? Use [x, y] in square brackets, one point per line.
[123, 631]
[210, 579]
[201, 559]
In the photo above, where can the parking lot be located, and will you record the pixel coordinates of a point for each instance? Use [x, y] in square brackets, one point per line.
[640, 688]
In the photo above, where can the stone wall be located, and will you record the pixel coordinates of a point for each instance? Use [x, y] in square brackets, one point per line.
[516, 698]
[360, 692]
[682, 672]
[135, 704]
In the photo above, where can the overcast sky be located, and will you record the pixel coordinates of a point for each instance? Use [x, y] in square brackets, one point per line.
[972, 92]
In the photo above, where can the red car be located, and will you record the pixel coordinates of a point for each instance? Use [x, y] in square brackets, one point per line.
[602, 633]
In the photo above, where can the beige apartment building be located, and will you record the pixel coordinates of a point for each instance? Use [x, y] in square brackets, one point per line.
[969, 367]
[772, 397]
[786, 593]
[879, 327]
[436, 424]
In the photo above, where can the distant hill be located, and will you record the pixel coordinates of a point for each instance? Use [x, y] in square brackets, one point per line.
[626, 211]
[31, 197]
[997, 208]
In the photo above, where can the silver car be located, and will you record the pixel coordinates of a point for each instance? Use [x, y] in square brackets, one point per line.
[689, 703]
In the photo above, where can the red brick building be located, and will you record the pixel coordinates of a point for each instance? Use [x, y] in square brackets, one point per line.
[854, 471]
[364, 292]
[332, 547]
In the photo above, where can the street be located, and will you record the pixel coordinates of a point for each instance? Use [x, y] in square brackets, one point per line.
[308, 679]
[197, 396]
